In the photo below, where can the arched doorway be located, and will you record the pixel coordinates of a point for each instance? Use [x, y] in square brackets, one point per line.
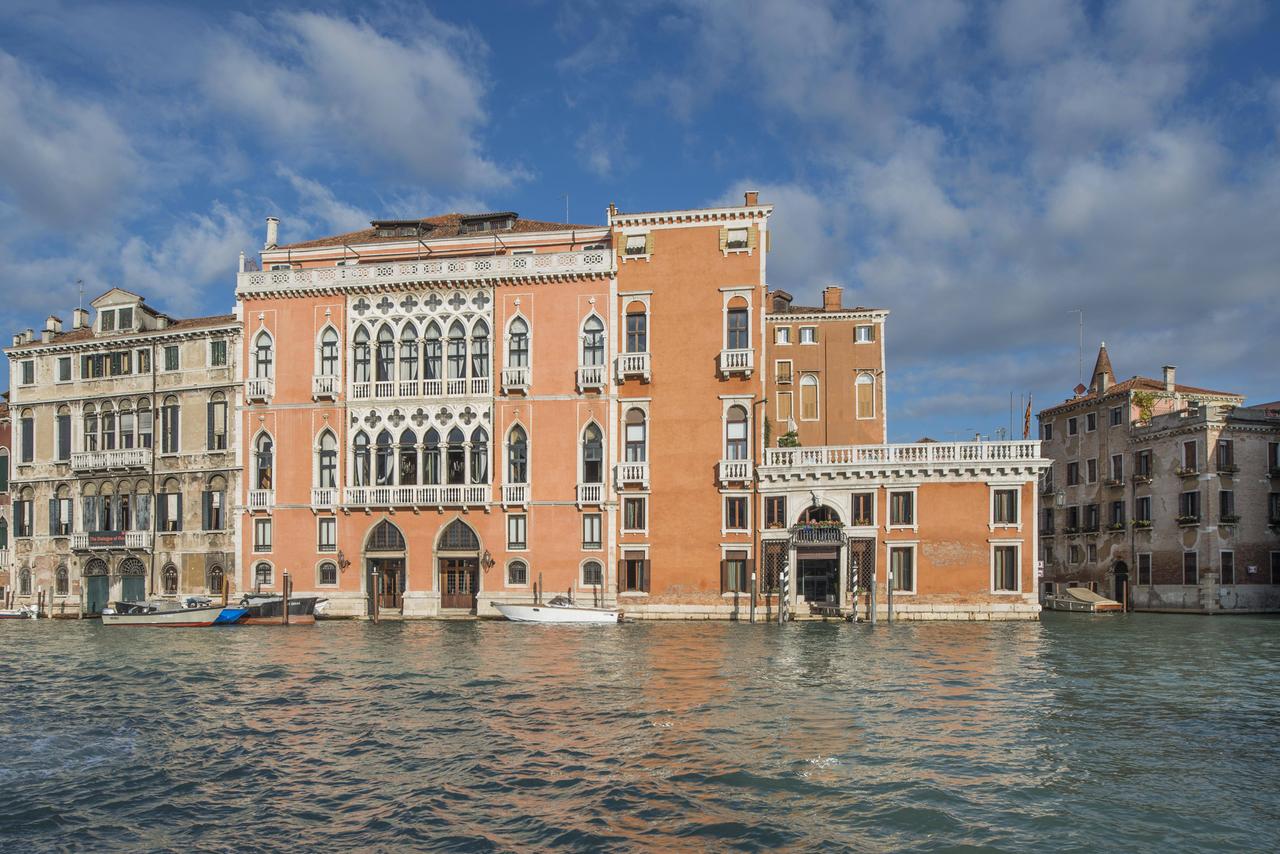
[458, 551]
[1120, 581]
[385, 554]
[818, 537]
[133, 580]
[97, 586]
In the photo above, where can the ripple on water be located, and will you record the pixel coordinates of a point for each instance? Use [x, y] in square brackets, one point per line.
[490, 736]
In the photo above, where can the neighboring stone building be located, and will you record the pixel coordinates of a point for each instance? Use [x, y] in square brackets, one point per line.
[1162, 492]
[125, 460]
[6, 432]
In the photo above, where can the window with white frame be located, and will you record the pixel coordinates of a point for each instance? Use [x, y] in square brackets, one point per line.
[591, 531]
[262, 534]
[809, 398]
[172, 362]
[738, 329]
[327, 574]
[29, 372]
[517, 531]
[327, 461]
[634, 433]
[218, 353]
[329, 352]
[517, 573]
[637, 244]
[736, 434]
[592, 574]
[782, 335]
[736, 238]
[64, 369]
[262, 574]
[782, 371]
[902, 568]
[518, 343]
[865, 396]
[593, 342]
[864, 334]
[902, 509]
[808, 335]
[633, 513]
[1005, 577]
[263, 356]
[1004, 506]
[326, 534]
[735, 513]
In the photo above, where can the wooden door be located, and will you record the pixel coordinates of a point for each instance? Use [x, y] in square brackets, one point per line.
[390, 583]
[458, 583]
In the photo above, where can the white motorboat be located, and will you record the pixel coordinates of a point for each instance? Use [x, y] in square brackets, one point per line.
[558, 610]
[143, 614]
[22, 612]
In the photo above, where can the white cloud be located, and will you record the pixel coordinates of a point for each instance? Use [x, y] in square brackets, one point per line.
[197, 254]
[318, 203]
[316, 82]
[64, 161]
[919, 29]
[1033, 31]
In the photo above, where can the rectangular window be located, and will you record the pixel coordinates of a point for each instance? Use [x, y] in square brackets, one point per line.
[1273, 457]
[637, 244]
[902, 508]
[517, 573]
[1046, 431]
[1117, 467]
[28, 373]
[633, 573]
[170, 507]
[144, 361]
[1073, 426]
[738, 332]
[1226, 455]
[591, 531]
[1091, 468]
[1117, 515]
[518, 531]
[1189, 456]
[171, 357]
[736, 238]
[1006, 506]
[1074, 554]
[107, 320]
[1189, 507]
[1190, 569]
[213, 511]
[1226, 505]
[1005, 569]
[27, 427]
[1073, 473]
[64, 369]
[1142, 509]
[1142, 464]
[217, 353]
[1144, 569]
[865, 334]
[785, 406]
[808, 335]
[1117, 416]
[1073, 519]
[735, 573]
[1093, 552]
[262, 535]
[216, 425]
[864, 508]
[1092, 517]
[864, 388]
[775, 511]
[262, 575]
[782, 371]
[782, 335]
[735, 512]
[326, 534]
[903, 569]
[1228, 575]
[1090, 422]
[637, 332]
[633, 514]
[809, 398]
[1275, 567]
[328, 574]
[63, 424]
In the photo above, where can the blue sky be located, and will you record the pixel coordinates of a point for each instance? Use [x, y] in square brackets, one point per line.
[980, 169]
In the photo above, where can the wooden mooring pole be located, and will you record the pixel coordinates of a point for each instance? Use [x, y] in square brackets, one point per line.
[287, 583]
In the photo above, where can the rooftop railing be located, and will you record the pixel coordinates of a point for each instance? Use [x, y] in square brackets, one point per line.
[922, 453]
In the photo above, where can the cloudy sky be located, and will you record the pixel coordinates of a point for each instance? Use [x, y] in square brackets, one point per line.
[980, 169]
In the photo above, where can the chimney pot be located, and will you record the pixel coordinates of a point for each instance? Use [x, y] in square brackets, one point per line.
[273, 232]
[80, 318]
[751, 198]
[831, 298]
[46, 335]
[1170, 372]
[53, 324]
[17, 339]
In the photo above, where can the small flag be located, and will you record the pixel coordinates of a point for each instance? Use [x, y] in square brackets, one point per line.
[1026, 420]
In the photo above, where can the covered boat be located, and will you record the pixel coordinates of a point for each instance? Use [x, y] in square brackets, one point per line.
[1082, 600]
[558, 610]
[268, 610]
[22, 612]
[152, 614]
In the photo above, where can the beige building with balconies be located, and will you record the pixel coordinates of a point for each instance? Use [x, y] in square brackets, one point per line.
[124, 456]
[1164, 494]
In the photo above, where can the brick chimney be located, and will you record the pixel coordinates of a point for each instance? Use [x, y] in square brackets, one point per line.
[1169, 373]
[751, 198]
[831, 295]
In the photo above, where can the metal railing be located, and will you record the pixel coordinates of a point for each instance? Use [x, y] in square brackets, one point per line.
[473, 495]
[121, 458]
[631, 474]
[919, 453]
[434, 270]
[810, 534]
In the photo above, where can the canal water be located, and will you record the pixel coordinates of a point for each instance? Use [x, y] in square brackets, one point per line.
[1141, 732]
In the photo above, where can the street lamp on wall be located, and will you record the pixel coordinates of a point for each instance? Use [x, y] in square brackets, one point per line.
[1060, 499]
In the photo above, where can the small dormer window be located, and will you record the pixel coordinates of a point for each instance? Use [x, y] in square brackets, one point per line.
[737, 239]
[386, 232]
[408, 231]
[125, 319]
[636, 244]
[107, 320]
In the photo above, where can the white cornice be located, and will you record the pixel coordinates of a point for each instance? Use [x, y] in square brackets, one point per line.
[521, 239]
[120, 343]
[706, 216]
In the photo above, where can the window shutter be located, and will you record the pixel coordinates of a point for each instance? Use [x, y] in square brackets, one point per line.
[208, 432]
[644, 575]
[162, 512]
[751, 238]
[724, 238]
[53, 516]
[178, 515]
[724, 576]
[750, 570]
[648, 243]
[622, 575]
[622, 245]
[206, 509]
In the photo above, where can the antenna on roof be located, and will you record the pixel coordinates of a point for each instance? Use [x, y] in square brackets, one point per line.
[1080, 357]
[80, 285]
[565, 196]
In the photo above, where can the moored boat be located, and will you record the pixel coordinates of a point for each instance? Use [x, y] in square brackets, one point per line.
[261, 610]
[148, 614]
[1082, 600]
[22, 612]
[558, 610]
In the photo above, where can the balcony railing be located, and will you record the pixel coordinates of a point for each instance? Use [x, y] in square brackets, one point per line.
[259, 388]
[515, 379]
[923, 453]
[633, 365]
[324, 386]
[515, 494]
[825, 534]
[590, 377]
[324, 498]
[459, 495]
[122, 458]
[737, 362]
[552, 264]
[590, 493]
[95, 540]
[631, 474]
[262, 499]
[4, 559]
[734, 471]
[392, 389]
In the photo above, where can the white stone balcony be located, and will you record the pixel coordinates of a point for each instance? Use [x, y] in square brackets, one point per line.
[323, 387]
[590, 493]
[591, 377]
[633, 366]
[324, 498]
[516, 379]
[851, 461]
[631, 474]
[5, 560]
[737, 362]
[259, 389]
[548, 266]
[734, 471]
[416, 389]
[121, 458]
[473, 495]
[105, 540]
[261, 499]
[515, 494]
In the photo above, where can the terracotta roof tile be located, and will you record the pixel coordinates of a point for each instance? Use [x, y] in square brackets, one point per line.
[445, 225]
[1140, 384]
[86, 333]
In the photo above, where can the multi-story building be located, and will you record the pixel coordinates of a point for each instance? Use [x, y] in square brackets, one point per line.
[1162, 493]
[6, 433]
[125, 457]
[448, 412]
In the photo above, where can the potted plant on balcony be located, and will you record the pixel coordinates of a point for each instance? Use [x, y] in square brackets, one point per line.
[1142, 524]
[1186, 521]
[1230, 518]
[1141, 478]
[1187, 471]
[1116, 526]
[789, 439]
